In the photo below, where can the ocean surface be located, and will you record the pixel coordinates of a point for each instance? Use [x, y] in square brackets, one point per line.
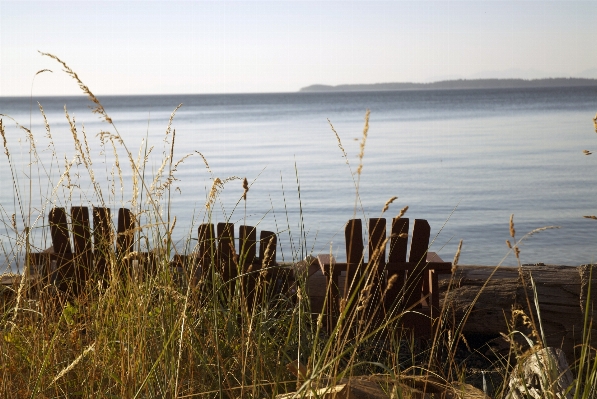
[465, 160]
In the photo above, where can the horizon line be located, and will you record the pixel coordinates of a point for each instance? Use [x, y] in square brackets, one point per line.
[300, 90]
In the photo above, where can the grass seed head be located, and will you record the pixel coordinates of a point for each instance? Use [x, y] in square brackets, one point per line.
[387, 204]
[391, 281]
[456, 257]
[3, 134]
[245, 188]
[512, 230]
[402, 212]
[267, 255]
[363, 142]
[339, 142]
[99, 108]
[46, 124]
[169, 128]
[215, 187]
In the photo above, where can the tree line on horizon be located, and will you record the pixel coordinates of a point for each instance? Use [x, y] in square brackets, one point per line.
[458, 84]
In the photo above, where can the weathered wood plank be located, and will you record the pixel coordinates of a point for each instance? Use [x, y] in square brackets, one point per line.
[207, 246]
[248, 255]
[81, 233]
[416, 279]
[561, 293]
[377, 237]
[247, 246]
[268, 248]
[59, 231]
[353, 234]
[226, 251]
[62, 256]
[102, 241]
[376, 266]
[398, 248]
[126, 235]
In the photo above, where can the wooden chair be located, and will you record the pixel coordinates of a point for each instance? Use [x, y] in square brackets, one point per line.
[69, 269]
[218, 254]
[413, 292]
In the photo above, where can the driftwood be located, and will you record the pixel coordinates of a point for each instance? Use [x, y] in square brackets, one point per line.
[544, 374]
[385, 387]
[561, 292]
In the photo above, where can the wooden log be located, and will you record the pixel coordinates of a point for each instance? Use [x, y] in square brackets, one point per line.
[561, 291]
[543, 374]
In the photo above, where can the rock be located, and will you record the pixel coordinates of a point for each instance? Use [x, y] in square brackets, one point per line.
[544, 374]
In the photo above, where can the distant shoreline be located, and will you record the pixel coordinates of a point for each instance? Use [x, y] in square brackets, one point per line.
[457, 84]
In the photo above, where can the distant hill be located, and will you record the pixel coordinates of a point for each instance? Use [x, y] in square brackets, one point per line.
[458, 84]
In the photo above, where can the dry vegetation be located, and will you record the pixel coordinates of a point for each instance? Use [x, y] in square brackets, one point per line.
[167, 335]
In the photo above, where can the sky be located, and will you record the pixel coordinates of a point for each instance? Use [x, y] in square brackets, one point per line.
[166, 47]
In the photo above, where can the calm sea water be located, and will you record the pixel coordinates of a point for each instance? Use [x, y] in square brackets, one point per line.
[465, 160]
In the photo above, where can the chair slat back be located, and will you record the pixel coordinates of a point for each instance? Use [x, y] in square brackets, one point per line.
[268, 242]
[59, 231]
[226, 251]
[353, 233]
[247, 247]
[61, 261]
[397, 254]
[81, 233]
[126, 230]
[417, 276]
[102, 240]
[377, 244]
[399, 240]
[420, 241]
[207, 245]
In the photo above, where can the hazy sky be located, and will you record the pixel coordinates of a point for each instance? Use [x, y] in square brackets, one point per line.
[141, 47]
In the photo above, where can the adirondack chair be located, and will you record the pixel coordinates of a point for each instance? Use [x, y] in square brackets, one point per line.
[217, 254]
[69, 269]
[413, 290]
